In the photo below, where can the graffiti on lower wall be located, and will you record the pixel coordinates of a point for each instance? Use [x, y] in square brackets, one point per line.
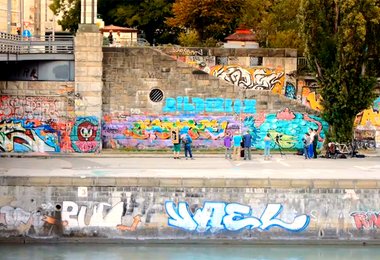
[18, 221]
[220, 216]
[251, 78]
[101, 215]
[207, 132]
[366, 220]
[34, 135]
[200, 105]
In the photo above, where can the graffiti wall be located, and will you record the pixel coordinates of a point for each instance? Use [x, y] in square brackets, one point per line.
[367, 123]
[237, 70]
[24, 107]
[188, 213]
[34, 135]
[251, 78]
[207, 121]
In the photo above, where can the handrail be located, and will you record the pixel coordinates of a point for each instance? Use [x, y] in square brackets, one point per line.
[16, 44]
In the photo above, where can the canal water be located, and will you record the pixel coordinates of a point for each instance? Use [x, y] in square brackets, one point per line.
[185, 252]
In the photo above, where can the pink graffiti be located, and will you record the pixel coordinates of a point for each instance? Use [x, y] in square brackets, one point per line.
[44, 108]
[307, 118]
[366, 220]
[285, 114]
[86, 147]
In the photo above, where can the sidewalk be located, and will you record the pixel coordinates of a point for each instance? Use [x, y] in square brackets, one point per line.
[205, 166]
[147, 154]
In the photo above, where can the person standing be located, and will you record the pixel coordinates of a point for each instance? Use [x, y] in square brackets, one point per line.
[267, 142]
[311, 134]
[236, 139]
[247, 140]
[315, 143]
[118, 39]
[110, 38]
[306, 145]
[176, 142]
[227, 145]
[186, 140]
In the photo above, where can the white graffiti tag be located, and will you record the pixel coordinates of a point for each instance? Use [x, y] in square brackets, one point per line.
[219, 216]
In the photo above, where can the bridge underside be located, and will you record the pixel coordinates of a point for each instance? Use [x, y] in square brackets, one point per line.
[4, 57]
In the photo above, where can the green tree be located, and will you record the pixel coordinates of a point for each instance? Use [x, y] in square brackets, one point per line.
[70, 10]
[189, 39]
[147, 15]
[275, 22]
[342, 37]
[209, 18]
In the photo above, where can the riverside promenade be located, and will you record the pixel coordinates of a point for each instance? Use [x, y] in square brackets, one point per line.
[205, 166]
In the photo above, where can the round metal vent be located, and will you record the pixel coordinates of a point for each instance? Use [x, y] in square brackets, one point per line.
[156, 95]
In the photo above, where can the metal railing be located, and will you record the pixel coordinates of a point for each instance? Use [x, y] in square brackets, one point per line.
[16, 44]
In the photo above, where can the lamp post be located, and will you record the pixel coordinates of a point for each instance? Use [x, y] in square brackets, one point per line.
[22, 16]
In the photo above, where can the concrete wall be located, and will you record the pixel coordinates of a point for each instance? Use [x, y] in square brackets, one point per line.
[200, 96]
[192, 209]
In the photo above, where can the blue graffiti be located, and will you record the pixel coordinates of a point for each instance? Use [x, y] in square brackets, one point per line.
[220, 216]
[376, 104]
[290, 91]
[24, 135]
[214, 105]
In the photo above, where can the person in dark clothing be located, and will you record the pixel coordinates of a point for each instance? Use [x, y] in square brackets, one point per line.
[315, 143]
[110, 38]
[247, 139]
[187, 140]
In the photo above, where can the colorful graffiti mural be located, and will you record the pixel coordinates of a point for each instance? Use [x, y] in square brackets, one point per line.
[251, 78]
[152, 132]
[27, 136]
[33, 135]
[200, 105]
[85, 135]
[220, 216]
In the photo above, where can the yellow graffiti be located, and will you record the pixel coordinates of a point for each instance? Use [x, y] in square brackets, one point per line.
[314, 101]
[285, 141]
[368, 117]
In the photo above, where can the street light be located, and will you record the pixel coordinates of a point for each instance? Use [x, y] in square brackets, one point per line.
[21, 16]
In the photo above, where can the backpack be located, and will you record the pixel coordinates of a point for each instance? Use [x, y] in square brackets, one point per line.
[184, 139]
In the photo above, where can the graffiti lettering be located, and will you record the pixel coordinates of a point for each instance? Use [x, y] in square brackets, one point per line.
[20, 107]
[366, 220]
[219, 216]
[200, 105]
[75, 216]
[248, 78]
[143, 132]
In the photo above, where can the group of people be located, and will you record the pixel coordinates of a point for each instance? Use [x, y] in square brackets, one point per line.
[234, 143]
[114, 41]
[310, 142]
[177, 140]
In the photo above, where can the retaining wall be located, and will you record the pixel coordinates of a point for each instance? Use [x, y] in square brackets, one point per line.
[138, 209]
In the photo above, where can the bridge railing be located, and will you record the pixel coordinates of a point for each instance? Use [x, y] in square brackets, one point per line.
[16, 44]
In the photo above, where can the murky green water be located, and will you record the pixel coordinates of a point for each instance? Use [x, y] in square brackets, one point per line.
[186, 252]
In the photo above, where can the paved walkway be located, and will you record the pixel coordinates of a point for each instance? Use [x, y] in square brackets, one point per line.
[204, 166]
